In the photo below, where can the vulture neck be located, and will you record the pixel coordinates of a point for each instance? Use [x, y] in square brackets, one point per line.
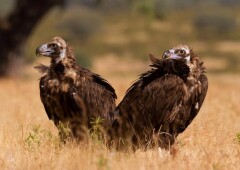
[67, 58]
[62, 66]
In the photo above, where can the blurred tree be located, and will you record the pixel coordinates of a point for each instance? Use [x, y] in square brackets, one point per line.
[16, 28]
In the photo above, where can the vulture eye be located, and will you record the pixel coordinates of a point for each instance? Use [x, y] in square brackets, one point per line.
[54, 45]
[181, 52]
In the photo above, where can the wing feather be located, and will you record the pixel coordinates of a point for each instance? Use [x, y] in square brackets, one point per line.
[199, 97]
[44, 96]
[104, 83]
[157, 103]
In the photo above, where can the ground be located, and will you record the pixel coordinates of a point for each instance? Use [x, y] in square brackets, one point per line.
[28, 140]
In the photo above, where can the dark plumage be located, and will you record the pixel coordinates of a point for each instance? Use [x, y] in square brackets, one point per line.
[72, 94]
[162, 102]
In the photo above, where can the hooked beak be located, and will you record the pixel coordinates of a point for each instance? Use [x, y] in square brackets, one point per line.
[169, 55]
[44, 50]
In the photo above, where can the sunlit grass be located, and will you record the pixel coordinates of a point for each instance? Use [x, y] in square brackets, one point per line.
[28, 140]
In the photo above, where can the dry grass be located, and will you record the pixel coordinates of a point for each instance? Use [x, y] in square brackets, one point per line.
[209, 142]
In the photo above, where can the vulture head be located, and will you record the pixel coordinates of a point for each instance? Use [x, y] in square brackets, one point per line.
[55, 49]
[180, 52]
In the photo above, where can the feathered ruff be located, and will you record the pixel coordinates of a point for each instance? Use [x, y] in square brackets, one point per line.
[160, 68]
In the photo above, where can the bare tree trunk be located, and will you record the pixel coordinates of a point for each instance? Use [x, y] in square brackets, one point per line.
[17, 27]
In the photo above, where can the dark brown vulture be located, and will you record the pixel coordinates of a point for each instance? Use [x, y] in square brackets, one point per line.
[72, 94]
[162, 102]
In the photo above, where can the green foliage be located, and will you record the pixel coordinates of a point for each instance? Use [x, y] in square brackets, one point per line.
[34, 137]
[96, 132]
[238, 138]
[145, 7]
[37, 137]
[158, 9]
[64, 132]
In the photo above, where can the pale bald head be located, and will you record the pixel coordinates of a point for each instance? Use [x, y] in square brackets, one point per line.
[56, 49]
[178, 52]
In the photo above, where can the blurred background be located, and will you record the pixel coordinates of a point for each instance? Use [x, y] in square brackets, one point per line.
[113, 31]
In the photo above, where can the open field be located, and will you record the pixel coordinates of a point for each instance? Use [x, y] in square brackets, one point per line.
[28, 140]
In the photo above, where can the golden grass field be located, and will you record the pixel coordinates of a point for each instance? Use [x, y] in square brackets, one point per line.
[28, 140]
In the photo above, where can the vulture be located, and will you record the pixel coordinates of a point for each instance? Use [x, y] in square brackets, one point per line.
[72, 95]
[162, 102]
